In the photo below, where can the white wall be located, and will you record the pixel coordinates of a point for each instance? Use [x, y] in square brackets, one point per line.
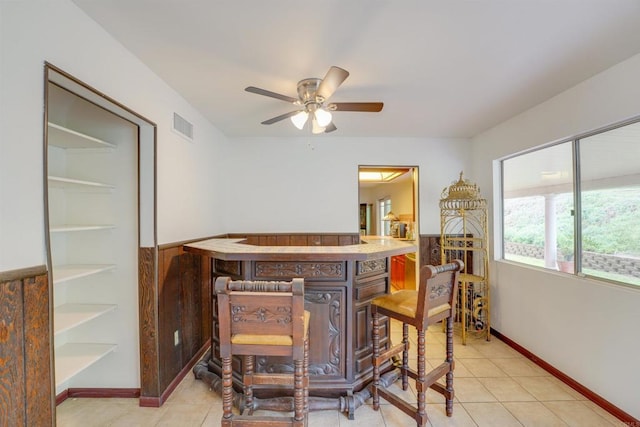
[311, 184]
[585, 328]
[32, 32]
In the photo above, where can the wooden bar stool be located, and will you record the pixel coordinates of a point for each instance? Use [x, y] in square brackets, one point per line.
[268, 319]
[434, 301]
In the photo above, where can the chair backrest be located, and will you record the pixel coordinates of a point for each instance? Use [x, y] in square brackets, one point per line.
[263, 313]
[438, 291]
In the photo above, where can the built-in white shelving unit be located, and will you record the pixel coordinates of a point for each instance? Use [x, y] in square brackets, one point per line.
[77, 183]
[79, 227]
[73, 358]
[68, 138]
[69, 316]
[93, 219]
[67, 272]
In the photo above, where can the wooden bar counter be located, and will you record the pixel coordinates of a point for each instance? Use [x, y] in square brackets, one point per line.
[340, 282]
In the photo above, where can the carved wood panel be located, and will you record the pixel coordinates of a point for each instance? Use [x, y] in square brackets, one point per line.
[326, 341]
[372, 266]
[265, 270]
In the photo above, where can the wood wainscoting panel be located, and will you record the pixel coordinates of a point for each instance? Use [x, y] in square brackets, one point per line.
[26, 377]
[169, 307]
[148, 319]
[174, 317]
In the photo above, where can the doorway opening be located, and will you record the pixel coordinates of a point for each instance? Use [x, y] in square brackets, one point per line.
[100, 222]
[388, 207]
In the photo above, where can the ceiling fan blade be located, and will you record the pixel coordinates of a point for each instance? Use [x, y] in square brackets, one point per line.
[264, 92]
[280, 117]
[369, 107]
[334, 78]
[330, 128]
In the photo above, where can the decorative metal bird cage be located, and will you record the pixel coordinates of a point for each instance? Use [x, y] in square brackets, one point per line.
[464, 236]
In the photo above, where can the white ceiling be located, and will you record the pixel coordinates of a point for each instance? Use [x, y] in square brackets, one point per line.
[447, 68]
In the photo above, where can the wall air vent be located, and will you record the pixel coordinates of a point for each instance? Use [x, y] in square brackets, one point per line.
[182, 126]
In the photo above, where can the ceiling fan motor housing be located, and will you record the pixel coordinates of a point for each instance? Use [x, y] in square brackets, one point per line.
[307, 89]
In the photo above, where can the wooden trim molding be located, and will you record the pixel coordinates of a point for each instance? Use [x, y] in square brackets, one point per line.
[594, 397]
[128, 393]
[22, 273]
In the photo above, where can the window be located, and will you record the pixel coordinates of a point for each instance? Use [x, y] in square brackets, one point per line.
[384, 207]
[596, 233]
[610, 204]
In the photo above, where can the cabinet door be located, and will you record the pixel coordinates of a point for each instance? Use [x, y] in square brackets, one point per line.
[397, 271]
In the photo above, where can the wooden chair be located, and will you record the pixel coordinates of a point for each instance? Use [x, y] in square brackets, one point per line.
[434, 301]
[263, 318]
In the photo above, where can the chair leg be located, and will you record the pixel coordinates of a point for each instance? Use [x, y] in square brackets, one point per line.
[376, 354]
[421, 416]
[305, 374]
[248, 382]
[405, 356]
[227, 392]
[298, 391]
[449, 377]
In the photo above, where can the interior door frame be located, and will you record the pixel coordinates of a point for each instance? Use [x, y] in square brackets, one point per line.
[147, 220]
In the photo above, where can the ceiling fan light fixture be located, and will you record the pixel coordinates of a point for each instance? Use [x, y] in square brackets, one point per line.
[323, 117]
[315, 127]
[300, 119]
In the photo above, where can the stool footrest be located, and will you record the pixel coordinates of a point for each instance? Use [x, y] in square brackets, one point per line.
[272, 379]
[398, 402]
[436, 373]
[253, 421]
[396, 349]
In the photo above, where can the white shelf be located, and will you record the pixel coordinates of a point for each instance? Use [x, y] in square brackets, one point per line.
[58, 181]
[67, 272]
[63, 137]
[68, 316]
[73, 358]
[79, 227]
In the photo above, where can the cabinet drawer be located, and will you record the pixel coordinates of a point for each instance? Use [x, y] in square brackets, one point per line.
[372, 289]
[371, 267]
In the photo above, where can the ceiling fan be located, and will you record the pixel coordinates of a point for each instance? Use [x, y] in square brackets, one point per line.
[312, 102]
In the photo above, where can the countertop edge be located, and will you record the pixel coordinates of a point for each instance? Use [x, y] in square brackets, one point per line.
[236, 250]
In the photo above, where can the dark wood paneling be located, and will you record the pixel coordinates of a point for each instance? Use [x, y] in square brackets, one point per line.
[170, 307]
[26, 380]
[330, 241]
[12, 374]
[283, 240]
[298, 240]
[206, 294]
[148, 318]
[180, 302]
[314, 240]
[429, 249]
[191, 306]
[37, 342]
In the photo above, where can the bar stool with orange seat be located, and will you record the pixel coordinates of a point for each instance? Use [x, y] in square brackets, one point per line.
[268, 319]
[434, 301]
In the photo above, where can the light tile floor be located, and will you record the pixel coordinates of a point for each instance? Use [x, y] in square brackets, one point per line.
[494, 385]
